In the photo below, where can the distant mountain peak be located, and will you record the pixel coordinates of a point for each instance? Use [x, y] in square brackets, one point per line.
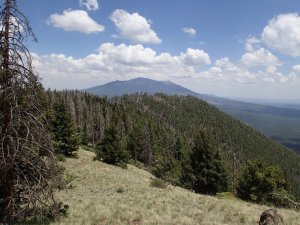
[140, 84]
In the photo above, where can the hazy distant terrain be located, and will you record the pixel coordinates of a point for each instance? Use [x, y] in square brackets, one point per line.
[279, 123]
[278, 120]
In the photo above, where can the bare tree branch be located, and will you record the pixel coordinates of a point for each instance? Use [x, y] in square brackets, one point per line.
[27, 164]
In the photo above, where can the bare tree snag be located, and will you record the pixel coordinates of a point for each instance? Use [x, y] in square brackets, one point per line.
[27, 165]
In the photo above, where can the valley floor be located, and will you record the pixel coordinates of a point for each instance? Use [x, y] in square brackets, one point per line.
[102, 194]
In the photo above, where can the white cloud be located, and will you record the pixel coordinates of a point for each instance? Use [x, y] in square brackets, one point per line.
[274, 76]
[271, 69]
[230, 72]
[190, 31]
[134, 27]
[260, 57]
[195, 57]
[225, 78]
[123, 62]
[112, 62]
[16, 25]
[226, 72]
[89, 4]
[252, 44]
[296, 69]
[75, 20]
[283, 34]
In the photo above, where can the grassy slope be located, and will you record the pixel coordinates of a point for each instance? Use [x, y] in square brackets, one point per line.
[94, 200]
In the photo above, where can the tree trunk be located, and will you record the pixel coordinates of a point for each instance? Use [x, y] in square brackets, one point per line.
[8, 152]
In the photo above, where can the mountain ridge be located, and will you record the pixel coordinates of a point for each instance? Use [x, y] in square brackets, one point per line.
[279, 123]
[132, 86]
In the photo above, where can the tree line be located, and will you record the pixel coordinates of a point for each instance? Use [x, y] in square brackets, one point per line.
[162, 132]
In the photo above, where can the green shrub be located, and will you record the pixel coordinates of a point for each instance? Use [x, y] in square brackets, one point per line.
[122, 165]
[88, 148]
[158, 183]
[68, 178]
[120, 190]
[61, 157]
[226, 195]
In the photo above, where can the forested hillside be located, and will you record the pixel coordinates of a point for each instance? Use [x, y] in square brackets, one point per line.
[151, 127]
[280, 123]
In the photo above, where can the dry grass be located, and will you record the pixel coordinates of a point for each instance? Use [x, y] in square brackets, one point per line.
[105, 194]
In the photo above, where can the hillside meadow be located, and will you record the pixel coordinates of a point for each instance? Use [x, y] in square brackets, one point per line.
[101, 194]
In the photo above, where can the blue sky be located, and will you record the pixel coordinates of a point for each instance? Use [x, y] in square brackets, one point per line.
[229, 48]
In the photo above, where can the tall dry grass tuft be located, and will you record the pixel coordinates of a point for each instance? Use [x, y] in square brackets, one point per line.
[104, 194]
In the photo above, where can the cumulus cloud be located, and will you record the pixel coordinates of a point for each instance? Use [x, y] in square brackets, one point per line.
[260, 57]
[195, 57]
[283, 34]
[134, 27]
[122, 62]
[75, 20]
[225, 70]
[190, 31]
[112, 62]
[296, 69]
[271, 69]
[252, 43]
[89, 4]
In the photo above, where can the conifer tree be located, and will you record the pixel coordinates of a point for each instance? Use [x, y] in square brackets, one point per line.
[262, 183]
[65, 138]
[134, 146]
[147, 147]
[177, 149]
[209, 174]
[110, 149]
[27, 165]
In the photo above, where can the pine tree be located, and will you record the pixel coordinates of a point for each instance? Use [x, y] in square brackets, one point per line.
[209, 174]
[65, 138]
[27, 165]
[177, 149]
[262, 183]
[110, 150]
[147, 147]
[133, 146]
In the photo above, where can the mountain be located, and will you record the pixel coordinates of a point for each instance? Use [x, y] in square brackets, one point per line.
[138, 85]
[279, 123]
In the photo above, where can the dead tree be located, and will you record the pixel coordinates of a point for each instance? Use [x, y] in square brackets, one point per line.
[147, 151]
[27, 165]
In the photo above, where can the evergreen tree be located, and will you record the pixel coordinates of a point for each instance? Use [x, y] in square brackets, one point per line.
[134, 146]
[168, 169]
[209, 174]
[110, 150]
[262, 183]
[65, 138]
[147, 147]
[177, 149]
